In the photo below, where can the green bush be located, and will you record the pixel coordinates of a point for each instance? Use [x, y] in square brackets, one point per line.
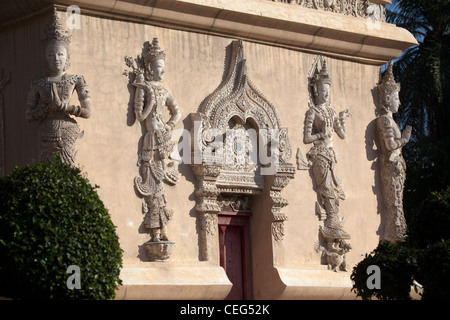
[397, 267]
[424, 257]
[434, 271]
[400, 264]
[52, 218]
[430, 221]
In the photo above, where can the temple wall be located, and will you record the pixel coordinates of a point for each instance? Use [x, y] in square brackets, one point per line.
[195, 64]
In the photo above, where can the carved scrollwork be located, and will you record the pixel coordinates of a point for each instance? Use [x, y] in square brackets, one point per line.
[206, 172]
[234, 202]
[357, 8]
[285, 146]
[209, 224]
[281, 180]
[278, 230]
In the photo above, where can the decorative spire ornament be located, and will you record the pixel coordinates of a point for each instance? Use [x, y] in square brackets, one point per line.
[153, 52]
[55, 32]
[322, 76]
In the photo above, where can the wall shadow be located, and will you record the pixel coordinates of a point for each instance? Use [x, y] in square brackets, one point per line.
[372, 145]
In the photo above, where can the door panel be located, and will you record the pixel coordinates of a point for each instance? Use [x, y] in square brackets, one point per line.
[232, 261]
[234, 242]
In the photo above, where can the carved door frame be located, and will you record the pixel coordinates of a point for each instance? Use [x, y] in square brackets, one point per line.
[236, 98]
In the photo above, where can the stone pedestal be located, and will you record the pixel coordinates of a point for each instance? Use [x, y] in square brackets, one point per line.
[159, 250]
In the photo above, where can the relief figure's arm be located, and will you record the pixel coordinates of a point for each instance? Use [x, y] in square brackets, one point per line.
[33, 110]
[139, 103]
[174, 111]
[84, 109]
[388, 138]
[142, 109]
[339, 124]
[308, 136]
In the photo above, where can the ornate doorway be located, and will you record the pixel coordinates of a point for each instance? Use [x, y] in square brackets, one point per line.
[239, 149]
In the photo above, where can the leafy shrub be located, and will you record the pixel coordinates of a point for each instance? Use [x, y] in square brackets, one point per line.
[52, 218]
[430, 221]
[434, 271]
[397, 267]
[424, 257]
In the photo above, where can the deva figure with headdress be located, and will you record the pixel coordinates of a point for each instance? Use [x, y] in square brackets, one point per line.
[49, 96]
[320, 123]
[392, 165]
[157, 160]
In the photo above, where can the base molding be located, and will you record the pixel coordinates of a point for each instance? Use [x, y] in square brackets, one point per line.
[173, 283]
[312, 284]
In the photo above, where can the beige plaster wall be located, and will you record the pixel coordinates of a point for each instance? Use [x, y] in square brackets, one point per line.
[194, 68]
[21, 55]
[108, 151]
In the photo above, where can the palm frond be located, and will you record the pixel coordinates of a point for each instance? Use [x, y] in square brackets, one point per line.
[423, 70]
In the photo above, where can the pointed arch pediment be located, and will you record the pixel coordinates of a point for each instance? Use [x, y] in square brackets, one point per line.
[238, 96]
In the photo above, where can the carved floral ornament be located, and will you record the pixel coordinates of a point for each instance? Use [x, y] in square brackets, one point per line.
[357, 8]
[237, 141]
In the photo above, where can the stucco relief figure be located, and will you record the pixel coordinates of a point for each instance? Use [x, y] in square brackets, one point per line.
[49, 96]
[157, 165]
[392, 164]
[321, 121]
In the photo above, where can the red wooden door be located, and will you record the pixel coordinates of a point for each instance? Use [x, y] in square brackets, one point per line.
[234, 242]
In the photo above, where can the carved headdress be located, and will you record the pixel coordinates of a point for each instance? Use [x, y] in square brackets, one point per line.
[387, 87]
[56, 34]
[316, 77]
[153, 53]
[321, 76]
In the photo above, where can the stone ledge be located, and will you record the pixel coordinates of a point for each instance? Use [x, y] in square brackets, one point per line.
[312, 284]
[173, 283]
[262, 21]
